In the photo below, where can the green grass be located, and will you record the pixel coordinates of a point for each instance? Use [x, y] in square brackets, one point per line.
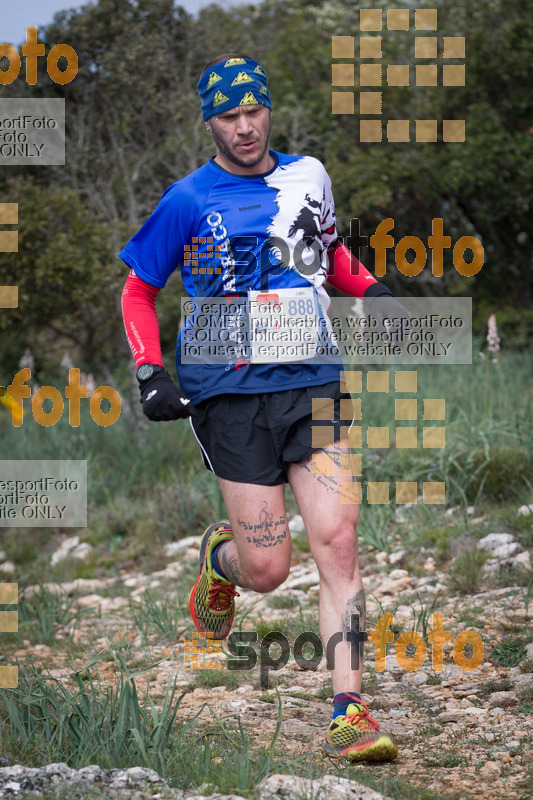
[211, 678]
[147, 488]
[326, 690]
[39, 615]
[510, 651]
[165, 614]
[489, 447]
[282, 601]
[44, 721]
[465, 575]
[447, 760]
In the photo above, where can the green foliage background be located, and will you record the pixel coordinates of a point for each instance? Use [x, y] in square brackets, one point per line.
[134, 126]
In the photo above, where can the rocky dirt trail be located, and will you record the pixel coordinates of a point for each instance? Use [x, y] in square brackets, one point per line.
[461, 733]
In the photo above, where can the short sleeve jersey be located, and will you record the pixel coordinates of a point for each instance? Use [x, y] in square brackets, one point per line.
[231, 234]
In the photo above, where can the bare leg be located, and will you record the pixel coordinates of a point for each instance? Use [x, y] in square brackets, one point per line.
[329, 503]
[259, 556]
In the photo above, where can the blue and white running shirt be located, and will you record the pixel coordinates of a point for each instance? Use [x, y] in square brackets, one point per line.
[284, 219]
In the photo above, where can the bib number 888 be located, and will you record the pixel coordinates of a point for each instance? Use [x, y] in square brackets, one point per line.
[301, 307]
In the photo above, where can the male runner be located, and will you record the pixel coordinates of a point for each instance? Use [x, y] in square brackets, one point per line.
[253, 419]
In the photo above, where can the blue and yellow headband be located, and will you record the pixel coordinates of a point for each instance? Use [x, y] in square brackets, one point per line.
[231, 83]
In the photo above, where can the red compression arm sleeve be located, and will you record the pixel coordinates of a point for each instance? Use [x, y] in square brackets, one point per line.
[347, 273]
[140, 320]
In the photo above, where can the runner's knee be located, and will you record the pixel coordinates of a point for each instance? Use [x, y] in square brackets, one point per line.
[268, 577]
[337, 545]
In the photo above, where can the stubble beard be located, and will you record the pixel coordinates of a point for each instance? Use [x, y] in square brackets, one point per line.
[228, 153]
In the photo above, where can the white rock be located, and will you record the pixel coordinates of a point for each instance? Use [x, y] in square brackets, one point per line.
[172, 570]
[403, 611]
[308, 580]
[502, 699]
[419, 678]
[392, 587]
[525, 511]
[392, 666]
[8, 568]
[400, 515]
[451, 716]
[80, 585]
[105, 603]
[490, 768]
[506, 550]
[398, 574]
[396, 713]
[529, 651]
[293, 787]
[171, 548]
[423, 581]
[2, 555]
[397, 556]
[296, 524]
[429, 589]
[470, 510]
[71, 547]
[522, 560]
[494, 540]
[490, 567]
[382, 559]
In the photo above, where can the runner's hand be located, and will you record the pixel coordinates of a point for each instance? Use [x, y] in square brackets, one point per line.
[389, 318]
[162, 400]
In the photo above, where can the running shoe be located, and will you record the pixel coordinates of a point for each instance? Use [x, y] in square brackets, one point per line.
[356, 736]
[211, 600]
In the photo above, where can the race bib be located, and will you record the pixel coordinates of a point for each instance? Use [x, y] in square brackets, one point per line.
[285, 325]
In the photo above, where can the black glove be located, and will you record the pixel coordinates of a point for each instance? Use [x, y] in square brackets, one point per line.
[389, 318]
[162, 400]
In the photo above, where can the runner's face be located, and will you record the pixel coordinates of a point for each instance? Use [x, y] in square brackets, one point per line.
[242, 135]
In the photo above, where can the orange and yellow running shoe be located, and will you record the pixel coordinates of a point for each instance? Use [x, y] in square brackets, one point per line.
[211, 600]
[356, 736]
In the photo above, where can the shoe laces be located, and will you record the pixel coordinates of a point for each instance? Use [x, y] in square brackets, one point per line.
[221, 595]
[362, 717]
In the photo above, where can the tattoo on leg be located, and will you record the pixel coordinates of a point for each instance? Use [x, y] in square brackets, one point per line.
[268, 532]
[353, 626]
[355, 605]
[349, 490]
[229, 566]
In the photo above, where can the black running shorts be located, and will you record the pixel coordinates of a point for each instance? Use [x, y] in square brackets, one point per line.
[252, 438]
